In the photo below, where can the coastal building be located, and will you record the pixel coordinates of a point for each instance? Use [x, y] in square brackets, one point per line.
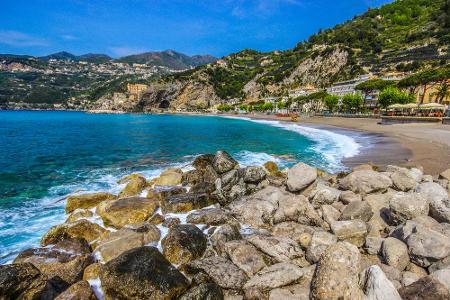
[302, 91]
[430, 93]
[343, 88]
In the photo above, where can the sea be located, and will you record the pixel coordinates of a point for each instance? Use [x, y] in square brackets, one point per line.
[47, 155]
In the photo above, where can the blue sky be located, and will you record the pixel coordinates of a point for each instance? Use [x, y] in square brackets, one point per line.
[118, 28]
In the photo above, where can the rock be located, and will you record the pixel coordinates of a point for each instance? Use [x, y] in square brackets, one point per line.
[404, 179]
[319, 243]
[365, 182]
[170, 177]
[223, 235]
[79, 214]
[405, 207]
[162, 192]
[300, 176]
[330, 214]
[78, 291]
[324, 195]
[86, 200]
[280, 248]
[203, 188]
[142, 273]
[336, 275]
[373, 245]
[78, 229]
[426, 288]
[65, 260]
[272, 168]
[291, 292]
[222, 271]
[92, 271]
[191, 178]
[223, 162]
[121, 212]
[300, 233]
[357, 210]
[156, 219]
[253, 174]
[210, 216]
[445, 174]
[24, 281]
[377, 286]
[409, 278]
[202, 161]
[438, 198]
[353, 231]
[275, 276]
[245, 256]
[443, 276]
[183, 244]
[136, 183]
[185, 202]
[347, 197]
[204, 291]
[253, 212]
[395, 253]
[115, 243]
[439, 265]
[169, 222]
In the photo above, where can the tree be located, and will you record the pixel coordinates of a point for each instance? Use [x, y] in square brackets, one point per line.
[267, 106]
[392, 95]
[331, 101]
[353, 102]
[244, 107]
[374, 85]
[224, 107]
[442, 92]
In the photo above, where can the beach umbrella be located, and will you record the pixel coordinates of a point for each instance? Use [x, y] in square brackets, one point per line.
[432, 106]
[411, 105]
[395, 106]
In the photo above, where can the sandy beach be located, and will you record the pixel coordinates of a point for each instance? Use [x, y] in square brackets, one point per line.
[426, 145]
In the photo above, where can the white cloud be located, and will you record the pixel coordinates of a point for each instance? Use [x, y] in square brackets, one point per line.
[69, 37]
[124, 51]
[20, 39]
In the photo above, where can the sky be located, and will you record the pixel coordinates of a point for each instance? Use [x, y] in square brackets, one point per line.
[124, 27]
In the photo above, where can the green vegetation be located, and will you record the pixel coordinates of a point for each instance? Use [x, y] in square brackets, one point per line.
[225, 107]
[392, 95]
[331, 102]
[353, 102]
[374, 85]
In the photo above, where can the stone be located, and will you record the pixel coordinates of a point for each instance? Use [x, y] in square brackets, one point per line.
[404, 180]
[210, 216]
[426, 288]
[253, 212]
[86, 201]
[223, 235]
[245, 256]
[440, 264]
[445, 174]
[223, 162]
[204, 291]
[162, 192]
[324, 195]
[373, 245]
[92, 271]
[135, 184]
[395, 253]
[300, 233]
[78, 291]
[156, 219]
[78, 229]
[253, 174]
[115, 243]
[443, 276]
[347, 197]
[169, 222]
[377, 286]
[365, 182]
[279, 248]
[291, 292]
[357, 210]
[337, 275]
[272, 168]
[319, 243]
[352, 231]
[438, 199]
[330, 214]
[409, 278]
[407, 206]
[142, 273]
[202, 161]
[65, 260]
[121, 212]
[183, 243]
[275, 276]
[203, 188]
[222, 271]
[191, 178]
[300, 176]
[185, 202]
[171, 177]
[79, 214]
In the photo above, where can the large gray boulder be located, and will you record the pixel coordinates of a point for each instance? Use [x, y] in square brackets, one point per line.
[426, 288]
[352, 231]
[319, 243]
[357, 210]
[300, 176]
[279, 248]
[324, 194]
[377, 286]
[253, 212]
[223, 162]
[407, 206]
[245, 256]
[277, 275]
[253, 174]
[395, 253]
[404, 179]
[438, 198]
[365, 182]
[210, 216]
[222, 235]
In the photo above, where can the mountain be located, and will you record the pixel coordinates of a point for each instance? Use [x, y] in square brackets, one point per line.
[63, 55]
[406, 35]
[169, 58]
[89, 57]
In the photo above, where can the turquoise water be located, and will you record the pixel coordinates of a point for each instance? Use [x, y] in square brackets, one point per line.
[46, 155]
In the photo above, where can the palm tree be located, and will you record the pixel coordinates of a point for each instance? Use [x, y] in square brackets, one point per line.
[442, 92]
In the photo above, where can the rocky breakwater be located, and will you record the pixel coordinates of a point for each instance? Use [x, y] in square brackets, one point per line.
[220, 231]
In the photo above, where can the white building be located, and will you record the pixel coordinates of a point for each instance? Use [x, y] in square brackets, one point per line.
[346, 87]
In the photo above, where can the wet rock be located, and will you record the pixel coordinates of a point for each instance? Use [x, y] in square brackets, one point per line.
[202, 161]
[222, 271]
[300, 176]
[86, 200]
[377, 286]
[223, 162]
[121, 212]
[438, 198]
[357, 210]
[78, 291]
[183, 244]
[405, 207]
[79, 214]
[347, 197]
[210, 216]
[204, 291]
[136, 183]
[275, 276]
[92, 271]
[191, 178]
[319, 243]
[395, 253]
[169, 222]
[245, 256]
[426, 288]
[115, 243]
[253, 174]
[162, 192]
[142, 273]
[353, 231]
[365, 182]
[203, 188]
[156, 219]
[185, 202]
[337, 274]
[223, 235]
[78, 229]
[279, 248]
[170, 177]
